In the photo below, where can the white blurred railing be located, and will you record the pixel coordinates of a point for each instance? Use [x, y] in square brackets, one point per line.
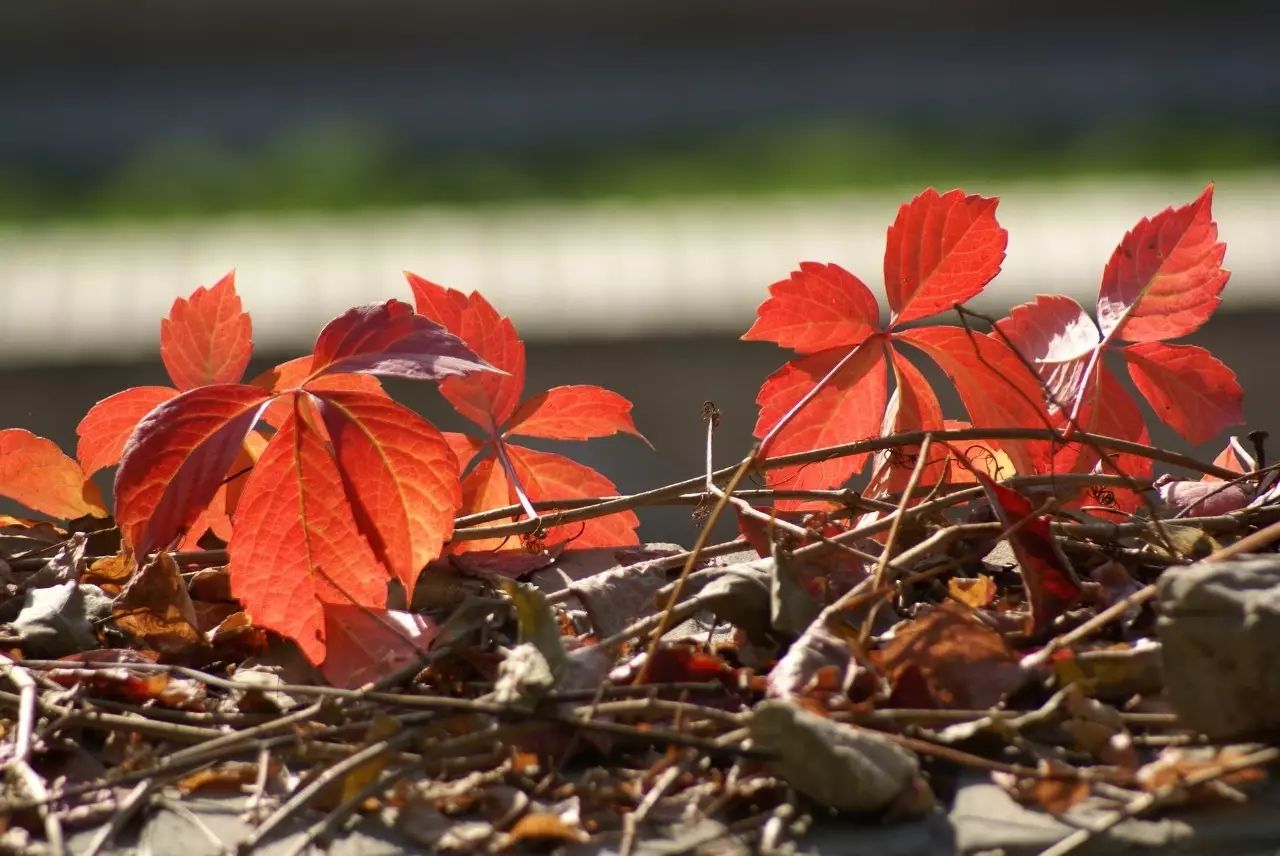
[603, 269]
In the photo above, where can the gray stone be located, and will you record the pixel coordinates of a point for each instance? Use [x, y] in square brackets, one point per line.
[1220, 626]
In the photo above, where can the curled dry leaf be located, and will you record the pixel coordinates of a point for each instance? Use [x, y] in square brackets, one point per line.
[156, 609]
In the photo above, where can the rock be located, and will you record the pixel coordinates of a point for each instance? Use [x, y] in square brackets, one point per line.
[1220, 626]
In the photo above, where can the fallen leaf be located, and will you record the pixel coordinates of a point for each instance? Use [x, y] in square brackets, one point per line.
[156, 609]
[965, 664]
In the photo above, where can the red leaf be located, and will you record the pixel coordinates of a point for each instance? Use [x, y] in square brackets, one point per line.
[391, 340]
[464, 446]
[177, 458]
[36, 473]
[996, 388]
[105, 429]
[445, 306]
[1108, 409]
[296, 546]
[1189, 388]
[290, 376]
[400, 476]
[1233, 457]
[1164, 278]
[206, 338]
[549, 476]
[573, 413]
[940, 251]
[367, 644]
[912, 407]
[846, 410]
[1058, 337]
[489, 399]
[821, 306]
[1051, 585]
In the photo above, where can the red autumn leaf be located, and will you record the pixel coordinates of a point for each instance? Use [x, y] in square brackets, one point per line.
[573, 413]
[1189, 388]
[400, 476]
[1164, 278]
[1163, 281]
[391, 340]
[913, 406]
[1233, 457]
[207, 337]
[106, 427]
[940, 251]
[205, 340]
[994, 385]
[1059, 338]
[36, 473]
[819, 307]
[177, 458]
[367, 644]
[546, 475]
[290, 375]
[1108, 410]
[296, 546]
[1050, 583]
[493, 403]
[845, 410]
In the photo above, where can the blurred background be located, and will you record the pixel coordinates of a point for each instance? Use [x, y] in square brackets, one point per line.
[624, 181]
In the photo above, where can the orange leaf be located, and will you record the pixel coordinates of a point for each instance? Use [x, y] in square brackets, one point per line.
[975, 592]
[912, 407]
[290, 376]
[401, 478]
[206, 338]
[36, 473]
[105, 429]
[176, 460]
[550, 476]
[821, 306]
[1164, 278]
[485, 487]
[846, 410]
[573, 413]
[296, 546]
[488, 399]
[940, 251]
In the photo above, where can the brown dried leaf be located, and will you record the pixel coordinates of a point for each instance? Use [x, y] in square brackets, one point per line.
[964, 663]
[155, 608]
[544, 829]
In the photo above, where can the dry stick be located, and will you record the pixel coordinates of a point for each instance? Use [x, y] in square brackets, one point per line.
[26, 685]
[1147, 801]
[38, 792]
[1254, 541]
[912, 438]
[124, 813]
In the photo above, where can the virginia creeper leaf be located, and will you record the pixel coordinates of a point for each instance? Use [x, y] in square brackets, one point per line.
[207, 337]
[296, 545]
[821, 306]
[545, 475]
[290, 375]
[401, 478]
[391, 340]
[177, 458]
[105, 429]
[485, 487]
[1058, 337]
[846, 410]
[1050, 583]
[1189, 388]
[444, 306]
[940, 251]
[1164, 278]
[573, 413]
[488, 400]
[912, 406]
[994, 385]
[36, 473]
